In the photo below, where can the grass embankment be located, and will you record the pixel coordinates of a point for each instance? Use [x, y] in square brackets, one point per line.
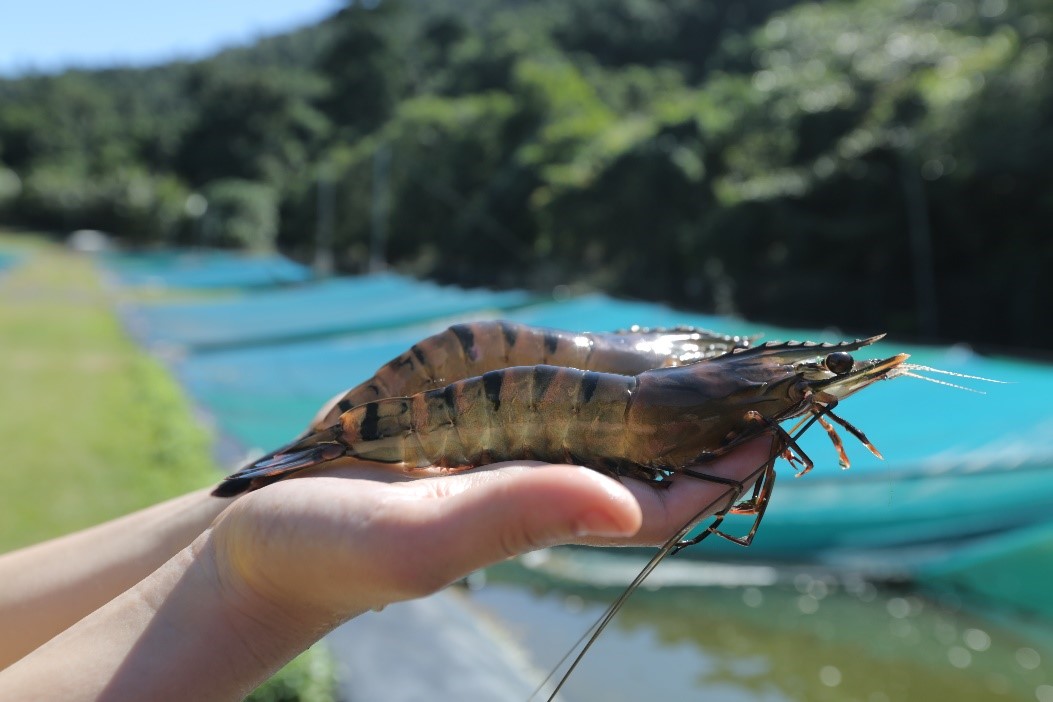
[91, 426]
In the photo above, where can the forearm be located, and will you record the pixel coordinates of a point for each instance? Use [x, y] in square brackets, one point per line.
[47, 587]
[179, 634]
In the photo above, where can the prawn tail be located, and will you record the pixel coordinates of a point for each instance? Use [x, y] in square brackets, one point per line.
[305, 454]
[231, 487]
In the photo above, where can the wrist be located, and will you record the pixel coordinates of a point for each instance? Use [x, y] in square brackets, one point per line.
[269, 625]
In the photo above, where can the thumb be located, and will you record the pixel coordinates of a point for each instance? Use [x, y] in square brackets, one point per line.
[508, 513]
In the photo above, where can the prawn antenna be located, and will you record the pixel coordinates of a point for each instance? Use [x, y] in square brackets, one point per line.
[906, 369]
[594, 631]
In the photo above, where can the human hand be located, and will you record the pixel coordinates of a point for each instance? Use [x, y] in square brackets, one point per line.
[310, 553]
[283, 565]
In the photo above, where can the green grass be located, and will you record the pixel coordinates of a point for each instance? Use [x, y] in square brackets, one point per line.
[311, 677]
[92, 427]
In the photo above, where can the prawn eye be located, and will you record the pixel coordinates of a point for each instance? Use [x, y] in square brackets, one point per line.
[839, 362]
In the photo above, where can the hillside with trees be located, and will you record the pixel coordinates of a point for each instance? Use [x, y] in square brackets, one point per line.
[868, 164]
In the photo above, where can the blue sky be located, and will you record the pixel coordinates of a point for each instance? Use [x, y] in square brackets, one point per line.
[38, 35]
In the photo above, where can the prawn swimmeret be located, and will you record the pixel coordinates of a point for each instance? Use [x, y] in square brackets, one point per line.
[650, 404]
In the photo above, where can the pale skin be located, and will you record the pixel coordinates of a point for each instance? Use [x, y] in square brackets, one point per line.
[202, 598]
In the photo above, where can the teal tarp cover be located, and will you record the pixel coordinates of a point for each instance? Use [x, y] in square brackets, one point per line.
[960, 464]
[204, 269]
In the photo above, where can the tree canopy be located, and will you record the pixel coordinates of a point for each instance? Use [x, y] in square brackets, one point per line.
[869, 164]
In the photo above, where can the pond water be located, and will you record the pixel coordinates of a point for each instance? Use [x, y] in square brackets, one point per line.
[806, 637]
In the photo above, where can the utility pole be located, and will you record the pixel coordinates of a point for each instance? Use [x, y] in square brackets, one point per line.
[381, 208]
[920, 234]
[323, 240]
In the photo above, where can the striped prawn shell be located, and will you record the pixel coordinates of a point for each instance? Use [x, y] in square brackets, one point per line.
[645, 425]
[473, 349]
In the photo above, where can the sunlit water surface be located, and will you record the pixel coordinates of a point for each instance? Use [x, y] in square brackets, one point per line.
[806, 638]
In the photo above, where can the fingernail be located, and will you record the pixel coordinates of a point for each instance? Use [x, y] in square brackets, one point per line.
[599, 524]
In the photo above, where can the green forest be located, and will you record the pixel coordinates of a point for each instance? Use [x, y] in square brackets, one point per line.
[874, 165]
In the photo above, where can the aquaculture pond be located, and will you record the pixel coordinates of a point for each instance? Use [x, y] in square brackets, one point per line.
[773, 635]
[924, 576]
